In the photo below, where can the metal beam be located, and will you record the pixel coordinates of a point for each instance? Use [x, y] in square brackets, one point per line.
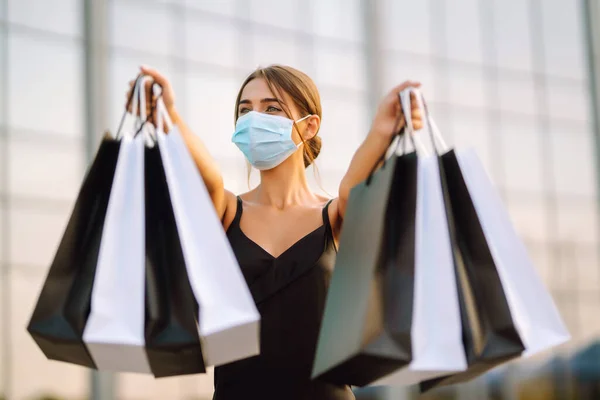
[591, 19]
[6, 357]
[95, 22]
[372, 22]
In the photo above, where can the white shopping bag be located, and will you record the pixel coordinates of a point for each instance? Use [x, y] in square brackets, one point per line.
[228, 318]
[535, 315]
[114, 333]
[436, 332]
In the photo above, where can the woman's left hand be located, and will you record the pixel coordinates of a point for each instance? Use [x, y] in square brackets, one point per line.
[386, 121]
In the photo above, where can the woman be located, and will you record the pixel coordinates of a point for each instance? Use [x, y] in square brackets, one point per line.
[284, 235]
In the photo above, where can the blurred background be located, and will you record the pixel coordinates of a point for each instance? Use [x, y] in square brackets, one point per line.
[515, 79]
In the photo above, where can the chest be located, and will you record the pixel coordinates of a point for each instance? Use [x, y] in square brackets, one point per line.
[277, 232]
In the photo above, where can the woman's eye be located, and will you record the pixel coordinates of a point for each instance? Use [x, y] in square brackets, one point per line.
[243, 111]
[273, 109]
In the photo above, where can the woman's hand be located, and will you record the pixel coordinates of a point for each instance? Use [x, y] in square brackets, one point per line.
[389, 118]
[167, 93]
[387, 122]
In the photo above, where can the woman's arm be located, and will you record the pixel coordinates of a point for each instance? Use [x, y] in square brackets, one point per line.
[208, 168]
[387, 122]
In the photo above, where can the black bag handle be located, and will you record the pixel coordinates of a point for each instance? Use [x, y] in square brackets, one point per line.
[397, 134]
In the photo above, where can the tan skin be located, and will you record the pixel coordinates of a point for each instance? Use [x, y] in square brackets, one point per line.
[282, 209]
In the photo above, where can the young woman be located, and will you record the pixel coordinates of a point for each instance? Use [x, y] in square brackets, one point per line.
[284, 235]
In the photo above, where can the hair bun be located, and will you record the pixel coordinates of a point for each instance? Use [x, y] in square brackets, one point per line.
[312, 150]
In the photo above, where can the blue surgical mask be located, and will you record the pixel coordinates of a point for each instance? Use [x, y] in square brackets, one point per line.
[266, 140]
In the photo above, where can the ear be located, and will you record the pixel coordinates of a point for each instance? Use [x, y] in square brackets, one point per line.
[313, 123]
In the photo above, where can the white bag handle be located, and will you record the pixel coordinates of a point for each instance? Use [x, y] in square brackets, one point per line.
[436, 135]
[162, 115]
[134, 99]
[406, 105]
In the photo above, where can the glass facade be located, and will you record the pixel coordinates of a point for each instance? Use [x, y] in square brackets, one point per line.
[507, 77]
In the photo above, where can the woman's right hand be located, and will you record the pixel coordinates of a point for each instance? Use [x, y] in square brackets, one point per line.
[167, 92]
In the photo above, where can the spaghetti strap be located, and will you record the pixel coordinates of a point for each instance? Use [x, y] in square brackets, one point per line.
[238, 213]
[327, 223]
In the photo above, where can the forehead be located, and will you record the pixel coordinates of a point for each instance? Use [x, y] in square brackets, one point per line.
[258, 89]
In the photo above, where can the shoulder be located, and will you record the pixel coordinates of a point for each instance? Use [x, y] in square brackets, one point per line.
[231, 205]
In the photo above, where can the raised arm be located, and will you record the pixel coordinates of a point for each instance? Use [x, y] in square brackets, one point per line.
[208, 168]
[387, 122]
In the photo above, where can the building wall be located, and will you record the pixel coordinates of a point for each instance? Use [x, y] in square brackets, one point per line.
[506, 77]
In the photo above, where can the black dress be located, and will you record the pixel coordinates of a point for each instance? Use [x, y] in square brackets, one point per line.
[289, 292]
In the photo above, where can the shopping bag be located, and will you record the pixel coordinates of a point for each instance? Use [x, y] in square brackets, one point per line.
[490, 336]
[171, 331]
[228, 318]
[366, 327]
[63, 306]
[537, 319]
[436, 329]
[114, 333]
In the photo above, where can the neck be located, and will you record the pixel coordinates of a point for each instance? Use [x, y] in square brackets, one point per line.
[284, 185]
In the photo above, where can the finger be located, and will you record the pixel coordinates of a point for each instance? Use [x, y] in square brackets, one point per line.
[405, 85]
[416, 114]
[157, 76]
[417, 124]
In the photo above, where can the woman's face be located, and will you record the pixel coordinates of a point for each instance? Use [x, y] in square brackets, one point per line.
[256, 96]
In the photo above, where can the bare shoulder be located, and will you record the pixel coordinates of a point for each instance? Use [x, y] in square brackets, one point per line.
[230, 209]
[333, 214]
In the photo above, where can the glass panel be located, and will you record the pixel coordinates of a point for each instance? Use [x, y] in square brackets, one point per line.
[564, 48]
[211, 41]
[47, 171]
[540, 257]
[344, 127]
[209, 111]
[463, 31]
[275, 12]
[45, 90]
[512, 34]
[3, 164]
[522, 153]
[573, 160]
[569, 101]
[407, 26]
[565, 278]
[466, 86]
[588, 267]
[142, 26]
[124, 68]
[516, 93]
[41, 230]
[588, 320]
[578, 219]
[3, 53]
[529, 216]
[340, 19]
[342, 67]
[136, 386]
[274, 49]
[235, 173]
[471, 130]
[2, 212]
[227, 7]
[50, 378]
[398, 68]
[568, 307]
[60, 16]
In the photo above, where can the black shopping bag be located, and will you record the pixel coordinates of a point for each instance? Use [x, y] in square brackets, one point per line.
[366, 328]
[63, 306]
[490, 336]
[171, 327]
